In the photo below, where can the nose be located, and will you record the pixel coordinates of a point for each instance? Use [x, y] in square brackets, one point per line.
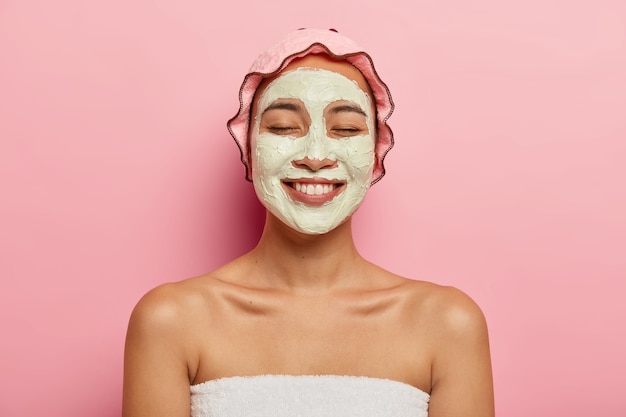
[314, 164]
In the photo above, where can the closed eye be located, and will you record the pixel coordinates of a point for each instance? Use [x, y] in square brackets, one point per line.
[283, 130]
[345, 132]
[345, 119]
[285, 117]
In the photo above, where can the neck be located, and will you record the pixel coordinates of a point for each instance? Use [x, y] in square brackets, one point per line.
[296, 261]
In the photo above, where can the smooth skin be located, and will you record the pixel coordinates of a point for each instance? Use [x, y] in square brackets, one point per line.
[302, 304]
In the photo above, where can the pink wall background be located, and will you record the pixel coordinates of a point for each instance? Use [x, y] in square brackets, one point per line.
[507, 180]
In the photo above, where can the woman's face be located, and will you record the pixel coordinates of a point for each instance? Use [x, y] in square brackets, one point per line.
[312, 143]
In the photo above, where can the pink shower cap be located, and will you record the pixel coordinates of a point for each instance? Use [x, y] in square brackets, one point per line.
[296, 45]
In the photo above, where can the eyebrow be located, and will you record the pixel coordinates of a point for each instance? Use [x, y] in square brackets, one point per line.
[281, 105]
[347, 107]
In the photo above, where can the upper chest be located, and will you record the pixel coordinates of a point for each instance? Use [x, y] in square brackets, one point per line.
[363, 314]
[377, 334]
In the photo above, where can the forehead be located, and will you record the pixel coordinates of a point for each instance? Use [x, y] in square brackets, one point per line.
[320, 61]
[315, 89]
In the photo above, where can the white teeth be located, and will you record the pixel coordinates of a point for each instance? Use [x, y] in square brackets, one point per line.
[313, 189]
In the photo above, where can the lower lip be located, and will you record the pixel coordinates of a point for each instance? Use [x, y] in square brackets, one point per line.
[312, 200]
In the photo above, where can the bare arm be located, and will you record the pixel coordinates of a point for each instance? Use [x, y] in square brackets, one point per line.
[156, 377]
[462, 383]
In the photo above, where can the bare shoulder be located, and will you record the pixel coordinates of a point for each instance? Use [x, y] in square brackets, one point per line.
[163, 306]
[168, 305]
[448, 315]
[164, 330]
[179, 306]
[453, 310]
[443, 304]
[455, 330]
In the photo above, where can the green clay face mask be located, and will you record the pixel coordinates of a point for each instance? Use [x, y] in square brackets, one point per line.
[333, 121]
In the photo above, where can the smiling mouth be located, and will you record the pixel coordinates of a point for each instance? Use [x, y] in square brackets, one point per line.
[312, 188]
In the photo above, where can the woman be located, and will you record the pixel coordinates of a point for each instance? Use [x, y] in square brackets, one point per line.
[302, 324]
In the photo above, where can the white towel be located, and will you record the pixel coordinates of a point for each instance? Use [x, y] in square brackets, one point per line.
[307, 396]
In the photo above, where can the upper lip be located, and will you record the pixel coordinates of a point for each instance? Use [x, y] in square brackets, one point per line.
[314, 180]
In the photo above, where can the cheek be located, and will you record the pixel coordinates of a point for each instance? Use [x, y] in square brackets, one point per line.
[357, 155]
[272, 154]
